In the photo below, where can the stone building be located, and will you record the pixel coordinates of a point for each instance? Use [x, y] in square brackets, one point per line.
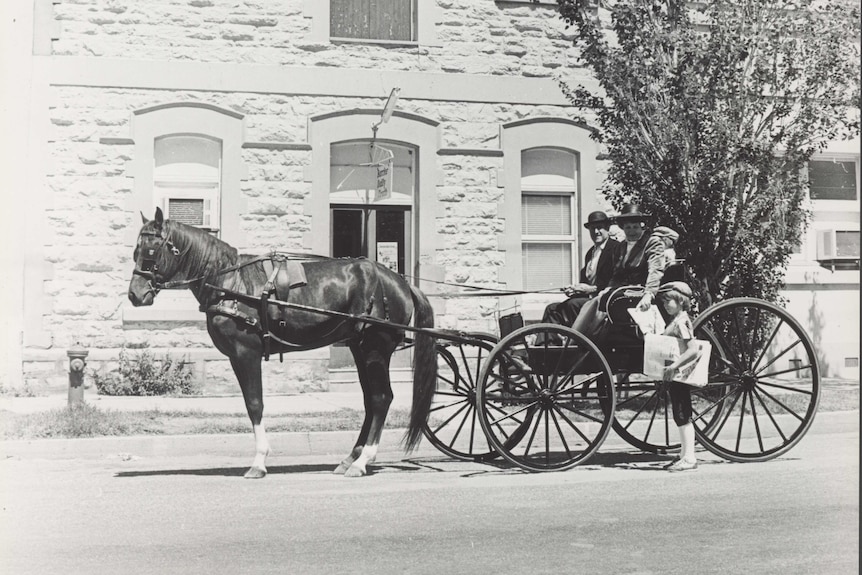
[258, 121]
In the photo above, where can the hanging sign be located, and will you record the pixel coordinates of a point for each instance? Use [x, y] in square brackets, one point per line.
[384, 181]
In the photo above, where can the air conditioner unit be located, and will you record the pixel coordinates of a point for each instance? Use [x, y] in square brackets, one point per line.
[835, 245]
[194, 211]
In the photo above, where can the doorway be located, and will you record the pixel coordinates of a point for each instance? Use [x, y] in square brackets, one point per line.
[372, 187]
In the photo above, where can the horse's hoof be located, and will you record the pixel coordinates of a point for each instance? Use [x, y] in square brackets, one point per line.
[255, 473]
[341, 469]
[355, 472]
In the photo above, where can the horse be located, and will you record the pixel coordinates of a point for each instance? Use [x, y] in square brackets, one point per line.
[329, 308]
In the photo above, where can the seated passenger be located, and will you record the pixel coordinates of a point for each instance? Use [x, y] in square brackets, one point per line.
[594, 277]
[641, 260]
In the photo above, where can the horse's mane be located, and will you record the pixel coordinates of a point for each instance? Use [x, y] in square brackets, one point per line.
[206, 255]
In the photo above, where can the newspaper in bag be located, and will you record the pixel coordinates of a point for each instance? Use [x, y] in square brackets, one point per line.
[662, 350]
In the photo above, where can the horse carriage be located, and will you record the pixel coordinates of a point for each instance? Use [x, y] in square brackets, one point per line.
[541, 406]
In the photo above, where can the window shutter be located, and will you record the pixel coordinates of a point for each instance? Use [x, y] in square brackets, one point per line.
[546, 215]
[546, 265]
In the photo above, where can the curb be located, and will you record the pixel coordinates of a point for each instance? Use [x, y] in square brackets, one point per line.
[284, 444]
[216, 445]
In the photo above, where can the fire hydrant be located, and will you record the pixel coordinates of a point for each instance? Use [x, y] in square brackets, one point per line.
[77, 356]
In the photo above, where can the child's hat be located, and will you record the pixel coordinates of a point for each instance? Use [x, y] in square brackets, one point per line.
[679, 287]
[666, 232]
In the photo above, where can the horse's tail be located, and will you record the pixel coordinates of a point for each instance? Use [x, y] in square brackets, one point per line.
[424, 369]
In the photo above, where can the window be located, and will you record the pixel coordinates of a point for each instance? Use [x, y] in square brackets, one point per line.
[547, 218]
[393, 20]
[187, 179]
[832, 180]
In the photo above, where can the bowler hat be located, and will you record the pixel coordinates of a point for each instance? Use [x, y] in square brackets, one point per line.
[631, 212]
[597, 219]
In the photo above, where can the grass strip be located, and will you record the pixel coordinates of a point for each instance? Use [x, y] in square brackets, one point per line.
[87, 420]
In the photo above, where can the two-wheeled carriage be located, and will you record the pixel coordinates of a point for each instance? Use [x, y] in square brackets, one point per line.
[547, 406]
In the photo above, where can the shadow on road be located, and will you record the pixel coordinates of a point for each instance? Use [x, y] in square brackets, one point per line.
[227, 471]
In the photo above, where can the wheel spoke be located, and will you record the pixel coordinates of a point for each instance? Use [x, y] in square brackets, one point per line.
[574, 426]
[754, 333]
[771, 418]
[532, 436]
[760, 381]
[562, 435]
[451, 394]
[754, 418]
[779, 402]
[630, 399]
[739, 338]
[639, 411]
[778, 356]
[583, 414]
[448, 405]
[452, 417]
[741, 419]
[767, 344]
[711, 406]
[726, 346]
[721, 425]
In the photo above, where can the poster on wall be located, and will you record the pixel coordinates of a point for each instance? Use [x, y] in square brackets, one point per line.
[387, 255]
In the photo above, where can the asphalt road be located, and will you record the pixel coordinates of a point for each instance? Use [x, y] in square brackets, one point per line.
[618, 515]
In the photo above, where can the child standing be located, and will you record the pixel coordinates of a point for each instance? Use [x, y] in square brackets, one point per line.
[676, 299]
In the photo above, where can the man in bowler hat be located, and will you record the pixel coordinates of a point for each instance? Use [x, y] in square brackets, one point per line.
[594, 277]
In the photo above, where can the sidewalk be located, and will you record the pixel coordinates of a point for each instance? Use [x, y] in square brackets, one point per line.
[343, 396]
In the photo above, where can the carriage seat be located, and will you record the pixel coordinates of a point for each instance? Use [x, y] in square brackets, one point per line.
[617, 302]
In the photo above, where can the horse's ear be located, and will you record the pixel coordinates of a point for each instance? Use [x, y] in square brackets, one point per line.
[144, 218]
[160, 218]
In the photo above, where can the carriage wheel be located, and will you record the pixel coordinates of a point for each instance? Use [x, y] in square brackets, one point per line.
[453, 425]
[767, 372]
[644, 417]
[545, 407]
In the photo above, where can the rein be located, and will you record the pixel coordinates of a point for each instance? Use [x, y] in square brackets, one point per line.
[149, 270]
[486, 292]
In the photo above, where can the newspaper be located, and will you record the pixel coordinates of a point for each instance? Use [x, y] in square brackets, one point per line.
[662, 350]
[649, 321]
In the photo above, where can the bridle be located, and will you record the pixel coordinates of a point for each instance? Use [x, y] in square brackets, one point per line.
[149, 269]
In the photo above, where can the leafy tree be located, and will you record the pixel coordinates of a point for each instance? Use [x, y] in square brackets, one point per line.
[709, 113]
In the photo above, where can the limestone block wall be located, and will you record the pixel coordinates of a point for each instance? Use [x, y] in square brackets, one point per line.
[500, 38]
[93, 222]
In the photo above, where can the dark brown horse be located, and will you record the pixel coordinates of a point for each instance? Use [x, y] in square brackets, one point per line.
[228, 287]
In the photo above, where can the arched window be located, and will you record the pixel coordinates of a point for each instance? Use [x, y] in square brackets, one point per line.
[187, 179]
[371, 190]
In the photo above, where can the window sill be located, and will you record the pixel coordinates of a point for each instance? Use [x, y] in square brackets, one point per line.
[387, 43]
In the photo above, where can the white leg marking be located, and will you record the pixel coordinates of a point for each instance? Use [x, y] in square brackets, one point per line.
[261, 450]
[358, 469]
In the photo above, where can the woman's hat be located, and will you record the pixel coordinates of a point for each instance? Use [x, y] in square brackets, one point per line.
[665, 232]
[597, 219]
[631, 212]
[679, 287]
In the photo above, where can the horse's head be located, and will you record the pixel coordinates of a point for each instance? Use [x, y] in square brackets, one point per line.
[155, 264]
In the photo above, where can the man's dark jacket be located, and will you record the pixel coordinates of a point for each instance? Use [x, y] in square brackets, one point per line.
[605, 267]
